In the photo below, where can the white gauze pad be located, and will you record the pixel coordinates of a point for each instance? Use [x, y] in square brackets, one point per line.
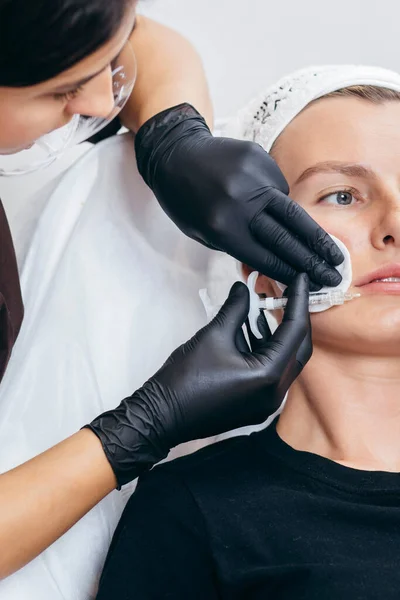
[344, 269]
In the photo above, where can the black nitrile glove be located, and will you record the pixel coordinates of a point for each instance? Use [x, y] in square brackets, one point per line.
[230, 195]
[211, 384]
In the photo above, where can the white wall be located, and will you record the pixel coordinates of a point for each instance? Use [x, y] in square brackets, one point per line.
[247, 44]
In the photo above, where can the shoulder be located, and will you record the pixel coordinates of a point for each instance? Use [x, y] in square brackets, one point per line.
[208, 461]
[211, 459]
[209, 472]
[200, 491]
[172, 492]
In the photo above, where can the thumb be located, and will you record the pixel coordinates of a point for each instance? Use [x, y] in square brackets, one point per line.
[235, 310]
[298, 298]
[290, 334]
[305, 351]
[303, 355]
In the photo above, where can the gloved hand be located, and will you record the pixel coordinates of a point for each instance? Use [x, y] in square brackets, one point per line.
[211, 384]
[230, 195]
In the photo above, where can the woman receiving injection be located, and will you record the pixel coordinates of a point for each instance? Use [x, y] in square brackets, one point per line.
[307, 508]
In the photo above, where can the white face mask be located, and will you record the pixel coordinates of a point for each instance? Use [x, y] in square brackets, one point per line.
[51, 146]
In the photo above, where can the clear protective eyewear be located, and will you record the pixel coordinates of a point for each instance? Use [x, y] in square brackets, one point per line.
[52, 145]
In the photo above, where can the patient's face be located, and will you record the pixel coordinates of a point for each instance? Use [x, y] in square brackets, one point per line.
[357, 199]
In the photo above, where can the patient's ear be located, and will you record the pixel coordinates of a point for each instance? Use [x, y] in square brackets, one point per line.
[264, 285]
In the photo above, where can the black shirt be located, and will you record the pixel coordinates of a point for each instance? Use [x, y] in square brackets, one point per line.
[251, 518]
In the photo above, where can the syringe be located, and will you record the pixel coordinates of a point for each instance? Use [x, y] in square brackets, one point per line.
[332, 298]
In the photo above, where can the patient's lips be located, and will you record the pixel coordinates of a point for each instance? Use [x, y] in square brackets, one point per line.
[385, 280]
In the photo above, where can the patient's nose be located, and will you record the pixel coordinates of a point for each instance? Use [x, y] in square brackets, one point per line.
[387, 231]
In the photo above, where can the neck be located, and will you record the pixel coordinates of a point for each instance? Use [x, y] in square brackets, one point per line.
[346, 408]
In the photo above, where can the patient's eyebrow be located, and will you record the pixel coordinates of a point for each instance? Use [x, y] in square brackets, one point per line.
[349, 169]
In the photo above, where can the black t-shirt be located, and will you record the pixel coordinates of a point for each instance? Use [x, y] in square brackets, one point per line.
[251, 518]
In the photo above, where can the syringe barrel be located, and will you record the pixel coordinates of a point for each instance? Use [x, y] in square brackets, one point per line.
[332, 298]
[318, 298]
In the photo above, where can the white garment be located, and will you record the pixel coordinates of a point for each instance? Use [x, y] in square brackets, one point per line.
[110, 288]
[24, 197]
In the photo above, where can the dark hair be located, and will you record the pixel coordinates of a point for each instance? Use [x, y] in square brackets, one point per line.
[41, 38]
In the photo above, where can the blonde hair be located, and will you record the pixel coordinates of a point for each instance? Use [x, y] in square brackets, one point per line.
[370, 93]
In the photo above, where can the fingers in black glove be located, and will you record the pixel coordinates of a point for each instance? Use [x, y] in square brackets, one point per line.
[209, 385]
[290, 247]
[295, 325]
[234, 311]
[257, 344]
[303, 355]
[230, 195]
[290, 347]
[299, 222]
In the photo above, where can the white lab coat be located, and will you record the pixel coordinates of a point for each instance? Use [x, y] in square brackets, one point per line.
[110, 289]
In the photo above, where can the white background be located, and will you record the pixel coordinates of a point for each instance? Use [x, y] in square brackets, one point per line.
[247, 44]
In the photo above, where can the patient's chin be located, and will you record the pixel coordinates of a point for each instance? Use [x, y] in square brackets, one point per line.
[367, 325]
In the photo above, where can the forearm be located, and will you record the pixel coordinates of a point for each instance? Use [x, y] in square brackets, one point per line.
[43, 498]
[170, 72]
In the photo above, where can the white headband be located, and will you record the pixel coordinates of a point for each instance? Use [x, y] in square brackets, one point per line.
[265, 117]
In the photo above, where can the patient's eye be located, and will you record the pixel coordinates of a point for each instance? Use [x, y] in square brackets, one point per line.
[341, 198]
